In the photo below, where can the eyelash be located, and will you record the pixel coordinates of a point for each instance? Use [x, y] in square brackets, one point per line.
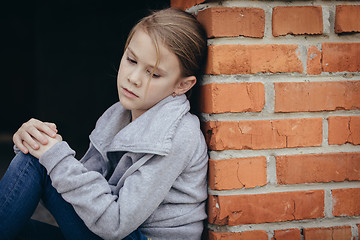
[154, 75]
[132, 61]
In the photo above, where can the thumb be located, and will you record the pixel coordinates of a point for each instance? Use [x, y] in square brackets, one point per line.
[58, 137]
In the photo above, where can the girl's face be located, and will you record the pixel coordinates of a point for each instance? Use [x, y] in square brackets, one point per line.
[137, 90]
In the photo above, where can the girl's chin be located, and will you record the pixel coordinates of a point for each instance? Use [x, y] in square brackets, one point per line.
[128, 103]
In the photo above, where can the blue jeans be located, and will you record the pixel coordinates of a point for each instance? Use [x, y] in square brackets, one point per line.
[24, 184]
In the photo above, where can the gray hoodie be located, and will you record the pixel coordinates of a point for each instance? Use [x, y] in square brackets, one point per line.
[149, 173]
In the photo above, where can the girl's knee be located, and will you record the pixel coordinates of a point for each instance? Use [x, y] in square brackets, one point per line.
[21, 160]
[25, 165]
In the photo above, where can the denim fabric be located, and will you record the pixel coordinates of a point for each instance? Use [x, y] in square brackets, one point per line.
[24, 184]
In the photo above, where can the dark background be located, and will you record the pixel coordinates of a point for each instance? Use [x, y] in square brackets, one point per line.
[59, 61]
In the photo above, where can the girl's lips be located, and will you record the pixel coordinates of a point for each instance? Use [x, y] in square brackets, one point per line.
[129, 93]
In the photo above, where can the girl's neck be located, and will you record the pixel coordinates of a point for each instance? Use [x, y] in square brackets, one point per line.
[135, 114]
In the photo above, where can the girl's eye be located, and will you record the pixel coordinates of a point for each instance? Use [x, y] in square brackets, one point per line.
[132, 61]
[153, 75]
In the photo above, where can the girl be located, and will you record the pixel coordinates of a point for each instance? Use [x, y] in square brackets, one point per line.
[144, 174]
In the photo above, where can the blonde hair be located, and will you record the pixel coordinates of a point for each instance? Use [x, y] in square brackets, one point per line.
[181, 33]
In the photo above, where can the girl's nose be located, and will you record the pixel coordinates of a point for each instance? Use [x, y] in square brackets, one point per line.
[134, 78]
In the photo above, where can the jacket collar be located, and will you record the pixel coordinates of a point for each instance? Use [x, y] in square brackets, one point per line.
[152, 132]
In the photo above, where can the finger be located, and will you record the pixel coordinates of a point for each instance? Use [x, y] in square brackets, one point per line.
[43, 127]
[19, 144]
[29, 147]
[52, 126]
[37, 135]
[27, 138]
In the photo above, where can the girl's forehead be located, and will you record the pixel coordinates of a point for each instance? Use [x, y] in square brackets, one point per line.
[143, 47]
[142, 39]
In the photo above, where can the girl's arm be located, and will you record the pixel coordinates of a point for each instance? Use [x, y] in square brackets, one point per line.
[107, 215]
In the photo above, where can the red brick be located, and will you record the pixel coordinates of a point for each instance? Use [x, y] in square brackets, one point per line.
[248, 235]
[317, 96]
[346, 202]
[333, 233]
[341, 57]
[287, 234]
[264, 134]
[347, 18]
[250, 59]
[260, 208]
[315, 168]
[313, 65]
[297, 20]
[237, 173]
[185, 4]
[233, 22]
[232, 97]
[344, 129]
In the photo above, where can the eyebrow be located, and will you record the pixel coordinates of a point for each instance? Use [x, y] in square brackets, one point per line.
[163, 72]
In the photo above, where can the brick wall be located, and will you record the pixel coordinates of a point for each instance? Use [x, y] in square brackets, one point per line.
[281, 114]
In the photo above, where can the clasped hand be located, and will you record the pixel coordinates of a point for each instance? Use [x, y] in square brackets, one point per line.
[36, 137]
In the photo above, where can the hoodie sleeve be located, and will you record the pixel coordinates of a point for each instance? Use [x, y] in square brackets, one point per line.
[107, 215]
[16, 149]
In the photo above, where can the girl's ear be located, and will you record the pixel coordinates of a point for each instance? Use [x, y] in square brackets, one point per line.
[184, 85]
